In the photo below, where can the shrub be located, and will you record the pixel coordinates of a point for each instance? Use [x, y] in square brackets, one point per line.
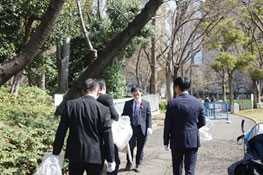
[162, 105]
[244, 103]
[115, 79]
[27, 129]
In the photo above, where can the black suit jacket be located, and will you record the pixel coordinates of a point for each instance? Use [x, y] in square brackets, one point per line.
[89, 126]
[184, 117]
[107, 100]
[145, 119]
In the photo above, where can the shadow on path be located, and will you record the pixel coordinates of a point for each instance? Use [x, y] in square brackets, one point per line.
[214, 156]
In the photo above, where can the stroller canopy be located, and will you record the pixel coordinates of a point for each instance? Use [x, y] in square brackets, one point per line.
[254, 141]
[252, 163]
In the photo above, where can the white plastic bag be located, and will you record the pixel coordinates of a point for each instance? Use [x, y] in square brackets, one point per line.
[51, 164]
[207, 130]
[122, 132]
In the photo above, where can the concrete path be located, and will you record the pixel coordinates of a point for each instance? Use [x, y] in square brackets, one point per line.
[214, 156]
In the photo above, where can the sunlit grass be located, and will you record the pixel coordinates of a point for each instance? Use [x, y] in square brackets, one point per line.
[255, 114]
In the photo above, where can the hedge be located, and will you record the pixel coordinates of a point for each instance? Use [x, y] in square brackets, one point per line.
[27, 129]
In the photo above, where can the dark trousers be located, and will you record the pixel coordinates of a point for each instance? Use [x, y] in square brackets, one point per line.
[189, 155]
[117, 161]
[139, 140]
[77, 168]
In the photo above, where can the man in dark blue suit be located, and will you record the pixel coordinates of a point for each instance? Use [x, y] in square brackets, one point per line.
[139, 112]
[184, 117]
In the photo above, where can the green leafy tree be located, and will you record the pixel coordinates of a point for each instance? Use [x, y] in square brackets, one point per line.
[67, 25]
[228, 39]
[17, 28]
[27, 39]
[251, 24]
[18, 19]
[114, 76]
[256, 76]
[229, 63]
[18, 23]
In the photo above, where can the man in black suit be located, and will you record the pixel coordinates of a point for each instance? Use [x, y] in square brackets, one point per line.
[139, 112]
[90, 138]
[107, 100]
[184, 117]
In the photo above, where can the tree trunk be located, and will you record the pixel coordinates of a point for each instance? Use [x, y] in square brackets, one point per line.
[182, 71]
[99, 9]
[256, 89]
[260, 88]
[32, 48]
[42, 83]
[111, 50]
[153, 81]
[255, 100]
[231, 95]
[137, 69]
[169, 85]
[29, 79]
[16, 82]
[258, 92]
[18, 77]
[224, 90]
[169, 78]
[63, 66]
[224, 86]
[176, 69]
[191, 79]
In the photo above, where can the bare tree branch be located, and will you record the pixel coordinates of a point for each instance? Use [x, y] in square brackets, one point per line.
[85, 32]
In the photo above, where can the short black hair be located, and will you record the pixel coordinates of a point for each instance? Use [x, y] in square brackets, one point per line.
[135, 88]
[90, 85]
[101, 82]
[182, 82]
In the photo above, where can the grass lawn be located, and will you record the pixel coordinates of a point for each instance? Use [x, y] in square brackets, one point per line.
[255, 114]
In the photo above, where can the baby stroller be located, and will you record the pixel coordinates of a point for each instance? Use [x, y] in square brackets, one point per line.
[252, 163]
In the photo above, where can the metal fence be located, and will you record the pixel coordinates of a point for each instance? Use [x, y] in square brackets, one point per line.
[217, 110]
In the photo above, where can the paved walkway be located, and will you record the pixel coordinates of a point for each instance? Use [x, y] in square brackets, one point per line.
[214, 156]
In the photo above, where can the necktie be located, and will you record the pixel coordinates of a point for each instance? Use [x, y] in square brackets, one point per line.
[136, 113]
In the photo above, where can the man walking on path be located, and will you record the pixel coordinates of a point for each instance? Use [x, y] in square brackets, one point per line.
[139, 112]
[184, 117]
[90, 138]
[107, 100]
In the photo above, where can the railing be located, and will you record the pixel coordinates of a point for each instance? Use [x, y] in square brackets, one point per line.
[216, 110]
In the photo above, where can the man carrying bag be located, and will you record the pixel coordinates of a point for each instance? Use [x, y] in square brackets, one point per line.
[90, 137]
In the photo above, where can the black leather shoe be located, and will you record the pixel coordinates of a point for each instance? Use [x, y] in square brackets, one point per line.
[128, 166]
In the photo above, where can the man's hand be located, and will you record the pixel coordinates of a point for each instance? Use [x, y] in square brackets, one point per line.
[111, 166]
[149, 131]
[166, 147]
